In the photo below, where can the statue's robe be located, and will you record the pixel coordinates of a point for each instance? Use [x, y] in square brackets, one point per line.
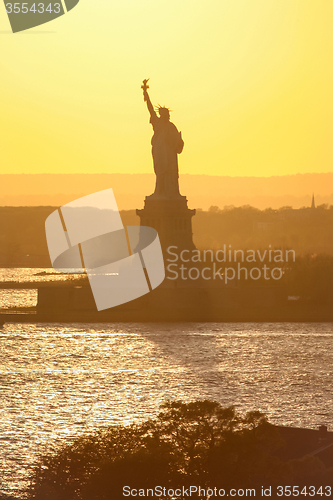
[166, 145]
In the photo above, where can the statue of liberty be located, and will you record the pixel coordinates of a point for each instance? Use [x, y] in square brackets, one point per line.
[166, 143]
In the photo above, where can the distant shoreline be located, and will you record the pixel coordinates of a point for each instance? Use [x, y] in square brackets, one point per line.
[201, 190]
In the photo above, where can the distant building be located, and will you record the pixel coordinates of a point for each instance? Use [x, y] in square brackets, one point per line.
[270, 225]
[313, 202]
[263, 226]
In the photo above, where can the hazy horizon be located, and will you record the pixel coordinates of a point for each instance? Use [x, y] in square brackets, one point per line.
[202, 191]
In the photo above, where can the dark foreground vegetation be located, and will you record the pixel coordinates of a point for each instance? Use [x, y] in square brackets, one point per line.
[188, 444]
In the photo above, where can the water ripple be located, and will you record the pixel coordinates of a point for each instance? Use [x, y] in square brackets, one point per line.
[57, 381]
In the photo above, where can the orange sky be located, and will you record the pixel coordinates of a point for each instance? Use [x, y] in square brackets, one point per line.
[250, 83]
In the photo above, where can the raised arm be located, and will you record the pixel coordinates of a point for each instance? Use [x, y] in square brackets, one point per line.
[146, 98]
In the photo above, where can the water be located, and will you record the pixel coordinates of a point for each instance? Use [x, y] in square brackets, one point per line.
[11, 298]
[32, 275]
[58, 381]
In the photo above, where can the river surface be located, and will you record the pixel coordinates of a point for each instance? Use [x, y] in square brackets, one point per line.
[58, 381]
[11, 298]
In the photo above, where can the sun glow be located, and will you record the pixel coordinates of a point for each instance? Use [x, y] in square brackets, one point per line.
[249, 82]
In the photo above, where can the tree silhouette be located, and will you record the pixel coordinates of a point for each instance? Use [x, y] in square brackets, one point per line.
[198, 443]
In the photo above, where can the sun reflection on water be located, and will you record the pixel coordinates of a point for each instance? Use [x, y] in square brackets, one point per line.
[58, 381]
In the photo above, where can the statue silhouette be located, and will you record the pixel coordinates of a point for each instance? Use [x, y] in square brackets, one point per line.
[167, 143]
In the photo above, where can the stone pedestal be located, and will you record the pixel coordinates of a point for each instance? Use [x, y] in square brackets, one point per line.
[171, 218]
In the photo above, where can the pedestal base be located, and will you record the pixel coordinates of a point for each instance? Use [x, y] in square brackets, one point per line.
[171, 218]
